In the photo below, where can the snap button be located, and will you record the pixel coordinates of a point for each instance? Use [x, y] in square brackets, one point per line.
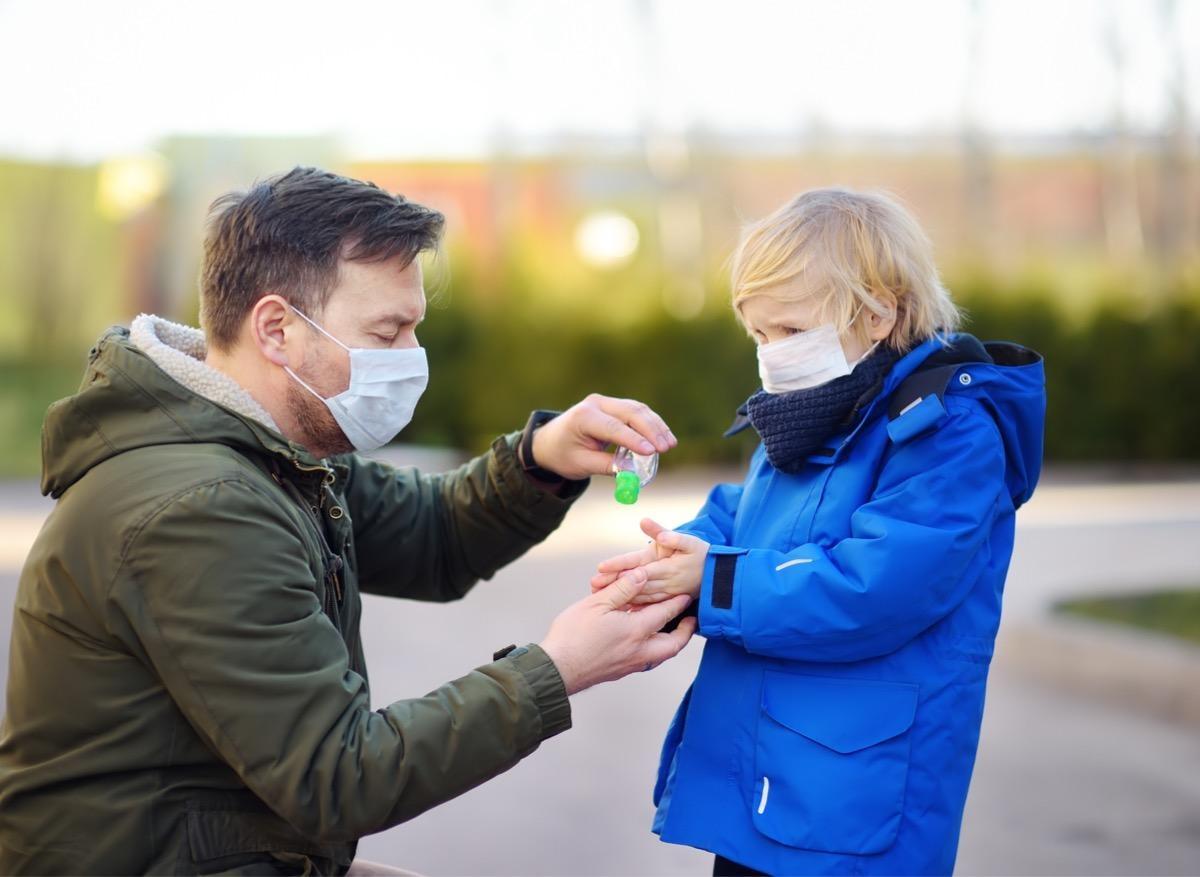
[328, 479]
[336, 512]
[964, 379]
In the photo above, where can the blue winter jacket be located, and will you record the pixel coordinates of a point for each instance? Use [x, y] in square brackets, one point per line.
[850, 612]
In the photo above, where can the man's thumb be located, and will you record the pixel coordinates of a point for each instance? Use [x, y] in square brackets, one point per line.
[624, 589]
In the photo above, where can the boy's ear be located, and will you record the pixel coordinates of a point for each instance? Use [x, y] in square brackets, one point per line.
[879, 327]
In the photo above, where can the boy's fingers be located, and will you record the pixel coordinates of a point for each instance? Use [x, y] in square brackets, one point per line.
[626, 561]
[659, 570]
[671, 539]
[651, 527]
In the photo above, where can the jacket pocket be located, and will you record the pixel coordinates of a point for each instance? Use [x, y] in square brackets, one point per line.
[241, 842]
[831, 761]
[670, 745]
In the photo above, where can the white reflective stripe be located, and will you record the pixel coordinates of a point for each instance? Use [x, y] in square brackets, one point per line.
[762, 802]
[911, 405]
[788, 563]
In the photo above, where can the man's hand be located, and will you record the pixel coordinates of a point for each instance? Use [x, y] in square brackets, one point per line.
[598, 639]
[673, 564]
[573, 444]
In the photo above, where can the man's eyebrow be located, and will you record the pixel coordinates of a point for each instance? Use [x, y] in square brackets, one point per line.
[395, 320]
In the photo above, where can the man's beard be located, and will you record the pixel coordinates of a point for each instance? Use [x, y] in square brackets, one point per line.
[319, 432]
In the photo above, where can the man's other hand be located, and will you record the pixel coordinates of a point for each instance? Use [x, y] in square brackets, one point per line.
[600, 639]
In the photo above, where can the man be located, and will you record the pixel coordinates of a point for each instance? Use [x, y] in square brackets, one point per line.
[187, 691]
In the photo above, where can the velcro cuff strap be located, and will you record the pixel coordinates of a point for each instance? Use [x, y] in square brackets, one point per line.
[724, 567]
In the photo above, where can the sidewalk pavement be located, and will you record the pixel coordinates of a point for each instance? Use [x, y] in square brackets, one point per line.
[1064, 784]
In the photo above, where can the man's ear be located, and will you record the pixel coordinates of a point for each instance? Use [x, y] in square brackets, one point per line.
[271, 325]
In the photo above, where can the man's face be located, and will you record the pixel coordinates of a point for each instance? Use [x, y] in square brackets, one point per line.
[375, 304]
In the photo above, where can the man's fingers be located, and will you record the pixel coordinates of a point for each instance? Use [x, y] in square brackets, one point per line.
[601, 581]
[624, 589]
[654, 617]
[594, 462]
[643, 419]
[609, 428]
[664, 646]
[644, 599]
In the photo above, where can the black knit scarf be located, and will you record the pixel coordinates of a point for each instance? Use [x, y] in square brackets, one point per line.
[793, 425]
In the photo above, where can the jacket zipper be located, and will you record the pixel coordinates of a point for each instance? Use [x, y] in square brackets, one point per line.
[332, 562]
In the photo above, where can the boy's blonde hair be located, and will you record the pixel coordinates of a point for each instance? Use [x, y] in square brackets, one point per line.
[845, 248]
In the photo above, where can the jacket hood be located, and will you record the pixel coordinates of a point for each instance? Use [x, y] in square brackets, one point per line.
[155, 392]
[1007, 378]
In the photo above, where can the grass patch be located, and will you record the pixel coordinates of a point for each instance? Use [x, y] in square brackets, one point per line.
[1176, 613]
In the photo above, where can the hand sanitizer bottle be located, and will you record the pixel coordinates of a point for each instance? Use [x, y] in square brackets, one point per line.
[633, 471]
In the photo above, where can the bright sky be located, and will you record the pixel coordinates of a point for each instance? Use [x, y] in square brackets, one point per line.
[87, 80]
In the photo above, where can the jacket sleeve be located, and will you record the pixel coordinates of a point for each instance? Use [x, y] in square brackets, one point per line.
[714, 523]
[914, 550]
[236, 635]
[433, 537]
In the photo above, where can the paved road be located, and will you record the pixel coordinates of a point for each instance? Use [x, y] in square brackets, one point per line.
[1063, 785]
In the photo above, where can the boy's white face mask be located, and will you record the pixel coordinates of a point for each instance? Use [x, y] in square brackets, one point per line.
[805, 360]
[385, 385]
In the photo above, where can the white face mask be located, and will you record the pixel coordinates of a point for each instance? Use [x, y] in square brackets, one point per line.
[384, 388]
[805, 360]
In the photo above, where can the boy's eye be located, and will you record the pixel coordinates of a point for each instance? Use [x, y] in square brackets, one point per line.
[387, 339]
[788, 330]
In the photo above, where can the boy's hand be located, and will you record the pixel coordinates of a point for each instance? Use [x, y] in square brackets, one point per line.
[673, 563]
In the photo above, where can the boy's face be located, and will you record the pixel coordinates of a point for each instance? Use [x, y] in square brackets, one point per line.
[773, 317]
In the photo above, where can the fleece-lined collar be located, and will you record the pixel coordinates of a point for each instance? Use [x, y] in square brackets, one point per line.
[179, 350]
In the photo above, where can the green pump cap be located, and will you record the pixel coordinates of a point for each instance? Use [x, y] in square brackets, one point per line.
[628, 487]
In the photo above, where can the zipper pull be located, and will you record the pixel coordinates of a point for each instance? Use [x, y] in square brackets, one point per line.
[335, 567]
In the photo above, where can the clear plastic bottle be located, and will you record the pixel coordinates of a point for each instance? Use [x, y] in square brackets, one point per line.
[633, 471]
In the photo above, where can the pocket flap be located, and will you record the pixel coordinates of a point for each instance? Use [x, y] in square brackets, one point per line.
[213, 834]
[844, 715]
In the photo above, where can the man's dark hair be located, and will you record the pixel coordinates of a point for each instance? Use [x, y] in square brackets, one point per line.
[287, 234]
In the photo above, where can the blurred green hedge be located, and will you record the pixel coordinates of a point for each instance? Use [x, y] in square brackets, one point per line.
[1123, 379]
[1123, 375]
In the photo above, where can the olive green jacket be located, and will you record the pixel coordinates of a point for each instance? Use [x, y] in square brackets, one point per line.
[187, 691]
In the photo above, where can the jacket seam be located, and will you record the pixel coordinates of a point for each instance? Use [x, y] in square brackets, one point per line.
[120, 566]
[162, 506]
[87, 415]
[144, 392]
